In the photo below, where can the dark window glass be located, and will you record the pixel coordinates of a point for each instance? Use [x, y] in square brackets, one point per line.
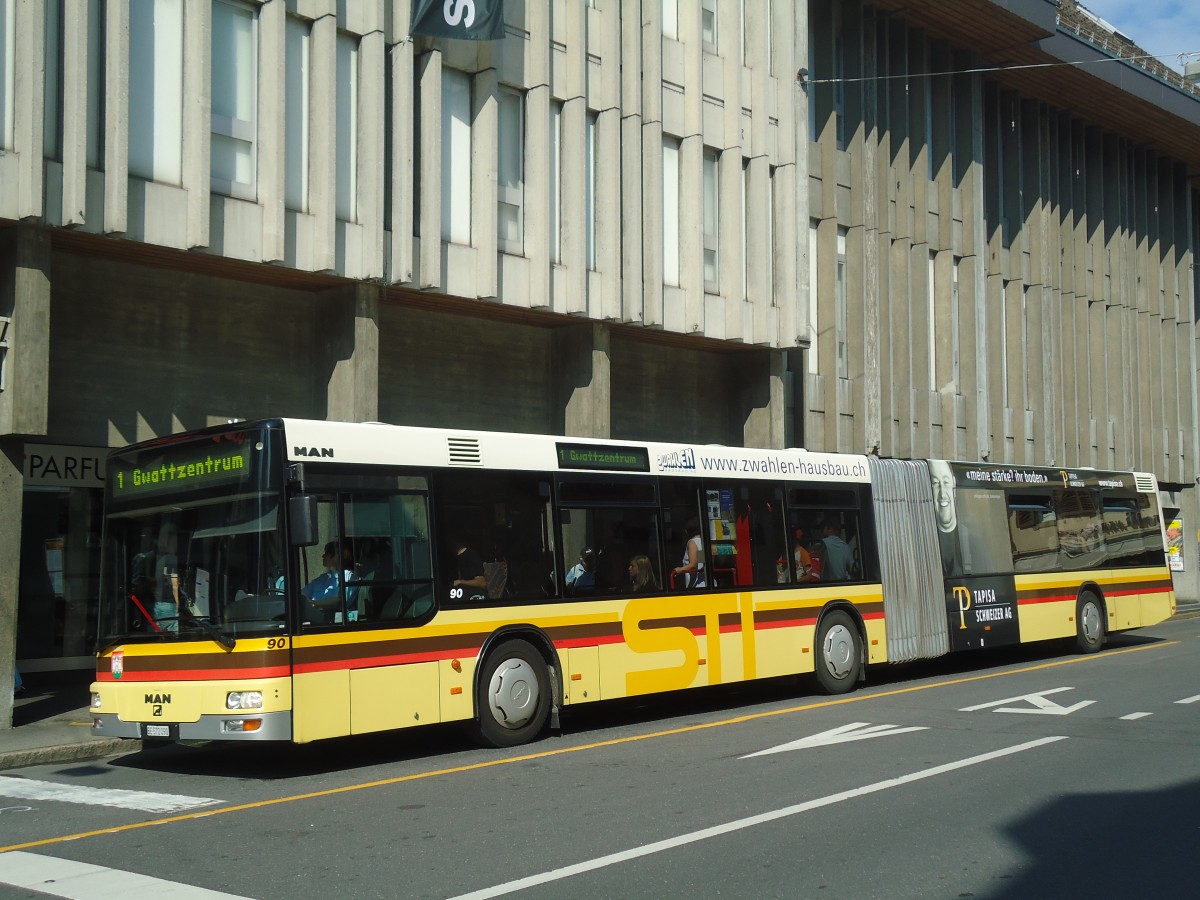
[1080, 535]
[1033, 530]
[602, 490]
[1132, 532]
[601, 545]
[502, 524]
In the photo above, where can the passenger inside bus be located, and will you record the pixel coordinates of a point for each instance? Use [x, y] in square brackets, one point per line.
[582, 576]
[692, 564]
[839, 558]
[641, 575]
[469, 573]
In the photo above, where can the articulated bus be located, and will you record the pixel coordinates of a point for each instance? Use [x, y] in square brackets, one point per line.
[299, 580]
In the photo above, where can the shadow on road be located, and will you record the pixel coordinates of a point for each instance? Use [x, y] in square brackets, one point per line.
[1108, 845]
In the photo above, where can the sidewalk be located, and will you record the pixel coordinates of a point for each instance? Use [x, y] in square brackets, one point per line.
[52, 723]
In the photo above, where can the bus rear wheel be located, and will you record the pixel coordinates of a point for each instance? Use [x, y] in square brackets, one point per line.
[839, 653]
[514, 695]
[1089, 623]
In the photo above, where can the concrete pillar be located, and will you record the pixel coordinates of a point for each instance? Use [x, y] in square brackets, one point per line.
[272, 129]
[197, 119]
[24, 407]
[11, 483]
[322, 149]
[759, 405]
[582, 363]
[116, 116]
[24, 331]
[351, 353]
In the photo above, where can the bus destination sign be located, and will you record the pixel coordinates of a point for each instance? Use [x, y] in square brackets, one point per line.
[190, 470]
[604, 457]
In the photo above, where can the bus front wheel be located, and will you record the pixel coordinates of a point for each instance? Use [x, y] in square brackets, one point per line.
[1089, 623]
[514, 695]
[839, 653]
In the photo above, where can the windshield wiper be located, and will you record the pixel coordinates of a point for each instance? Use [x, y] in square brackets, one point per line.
[225, 640]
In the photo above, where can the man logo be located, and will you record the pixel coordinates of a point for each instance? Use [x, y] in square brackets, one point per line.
[314, 451]
[117, 664]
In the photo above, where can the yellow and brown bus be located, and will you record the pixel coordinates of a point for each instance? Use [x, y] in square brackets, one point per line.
[298, 580]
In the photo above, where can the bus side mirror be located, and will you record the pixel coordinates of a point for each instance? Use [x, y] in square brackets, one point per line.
[302, 516]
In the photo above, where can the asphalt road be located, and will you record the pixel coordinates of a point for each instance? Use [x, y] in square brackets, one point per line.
[1025, 773]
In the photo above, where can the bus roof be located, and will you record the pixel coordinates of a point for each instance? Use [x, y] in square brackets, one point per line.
[380, 444]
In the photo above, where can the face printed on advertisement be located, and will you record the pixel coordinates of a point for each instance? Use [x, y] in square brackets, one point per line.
[942, 480]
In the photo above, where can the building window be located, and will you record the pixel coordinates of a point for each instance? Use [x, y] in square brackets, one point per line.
[95, 84]
[296, 114]
[346, 175]
[590, 191]
[931, 315]
[954, 320]
[556, 170]
[1003, 326]
[771, 231]
[813, 337]
[670, 19]
[510, 187]
[234, 98]
[671, 211]
[839, 76]
[708, 25]
[840, 303]
[156, 90]
[711, 219]
[745, 229]
[456, 157]
[8, 70]
[52, 82]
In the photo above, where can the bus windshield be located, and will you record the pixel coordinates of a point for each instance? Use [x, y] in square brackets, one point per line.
[194, 540]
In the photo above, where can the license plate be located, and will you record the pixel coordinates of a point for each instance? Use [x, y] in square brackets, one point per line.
[160, 731]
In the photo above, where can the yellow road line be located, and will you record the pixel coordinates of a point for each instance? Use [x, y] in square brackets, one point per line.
[545, 754]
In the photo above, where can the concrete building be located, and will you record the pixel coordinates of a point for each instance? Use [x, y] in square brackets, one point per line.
[845, 225]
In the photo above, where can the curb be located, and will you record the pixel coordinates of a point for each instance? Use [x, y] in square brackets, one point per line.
[73, 752]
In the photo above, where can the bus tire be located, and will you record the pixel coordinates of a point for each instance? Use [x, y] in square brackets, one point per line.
[838, 652]
[1089, 623]
[514, 695]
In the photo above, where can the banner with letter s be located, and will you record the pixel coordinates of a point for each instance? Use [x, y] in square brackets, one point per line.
[464, 20]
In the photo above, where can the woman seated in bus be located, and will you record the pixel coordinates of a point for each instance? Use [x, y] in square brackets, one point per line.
[641, 575]
[692, 564]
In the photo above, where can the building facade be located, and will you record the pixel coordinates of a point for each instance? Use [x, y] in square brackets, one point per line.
[853, 226]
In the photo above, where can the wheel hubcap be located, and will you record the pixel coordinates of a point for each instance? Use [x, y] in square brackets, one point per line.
[513, 693]
[1089, 622]
[839, 651]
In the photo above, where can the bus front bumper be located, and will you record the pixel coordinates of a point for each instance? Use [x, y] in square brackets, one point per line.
[248, 726]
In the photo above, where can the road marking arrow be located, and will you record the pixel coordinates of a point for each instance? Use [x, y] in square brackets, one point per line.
[855, 731]
[1042, 706]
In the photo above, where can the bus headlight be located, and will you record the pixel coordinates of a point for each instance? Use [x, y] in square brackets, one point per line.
[95, 699]
[243, 700]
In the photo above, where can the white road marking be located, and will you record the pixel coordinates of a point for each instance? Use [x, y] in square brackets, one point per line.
[84, 881]
[1189, 699]
[855, 731]
[1042, 706]
[749, 822]
[1138, 715]
[142, 801]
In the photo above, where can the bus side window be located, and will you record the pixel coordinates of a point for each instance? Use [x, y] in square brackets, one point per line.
[503, 518]
[610, 521]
